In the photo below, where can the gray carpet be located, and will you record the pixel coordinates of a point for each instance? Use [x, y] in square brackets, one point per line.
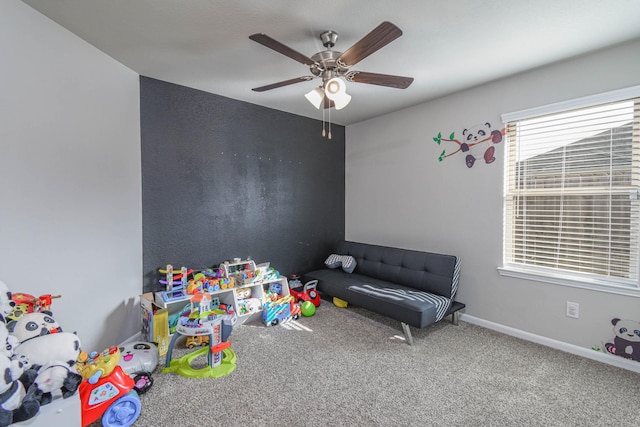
[351, 367]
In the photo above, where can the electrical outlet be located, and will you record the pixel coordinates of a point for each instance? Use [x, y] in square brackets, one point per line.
[573, 309]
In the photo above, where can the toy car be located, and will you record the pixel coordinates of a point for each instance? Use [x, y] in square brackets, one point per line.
[274, 312]
[198, 340]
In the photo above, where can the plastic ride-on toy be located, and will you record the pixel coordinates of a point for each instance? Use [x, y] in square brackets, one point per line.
[107, 391]
[307, 292]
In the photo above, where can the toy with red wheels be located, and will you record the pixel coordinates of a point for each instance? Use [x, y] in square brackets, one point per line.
[304, 293]
[106, 390]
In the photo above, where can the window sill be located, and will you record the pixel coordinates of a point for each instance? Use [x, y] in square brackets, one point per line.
[568, 280]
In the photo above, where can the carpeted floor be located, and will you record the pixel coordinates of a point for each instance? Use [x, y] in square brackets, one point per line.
[352, 367]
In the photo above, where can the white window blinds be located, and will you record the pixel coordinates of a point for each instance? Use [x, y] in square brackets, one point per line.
[571, 192]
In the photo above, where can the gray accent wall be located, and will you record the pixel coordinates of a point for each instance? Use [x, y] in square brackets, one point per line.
[223, 178]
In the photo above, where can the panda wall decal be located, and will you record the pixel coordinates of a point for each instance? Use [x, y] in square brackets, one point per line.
[626, 342]
[477, 142]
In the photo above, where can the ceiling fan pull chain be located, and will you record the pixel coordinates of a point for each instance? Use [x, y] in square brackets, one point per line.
[323, 131]
[329, 114]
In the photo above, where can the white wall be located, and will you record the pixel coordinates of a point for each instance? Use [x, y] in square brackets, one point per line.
[398, 194]
[70, 182]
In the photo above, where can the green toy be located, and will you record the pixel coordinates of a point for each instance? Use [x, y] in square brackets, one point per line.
[308, 309]
[182, 366]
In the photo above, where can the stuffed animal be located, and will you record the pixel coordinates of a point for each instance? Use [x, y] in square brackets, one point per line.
[7, 344]
[15, 403]
[627, 340]
[6, 303]
[55, 376]
[33, 325]
[51, 352]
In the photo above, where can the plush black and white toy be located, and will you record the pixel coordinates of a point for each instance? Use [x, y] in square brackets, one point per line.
[6, 303]
[51, 352]
[7, 345]
[15, 404]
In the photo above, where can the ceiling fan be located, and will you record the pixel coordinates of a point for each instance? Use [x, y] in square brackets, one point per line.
[333, 67]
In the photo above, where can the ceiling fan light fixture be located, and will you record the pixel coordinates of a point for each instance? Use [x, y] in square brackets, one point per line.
[336, 90]
[342, 101]
[315, 97]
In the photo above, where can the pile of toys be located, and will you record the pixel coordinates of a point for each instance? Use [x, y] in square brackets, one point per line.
[240, 274]
[190, 282]
[42, 362]
[179, 284]
[278, 308]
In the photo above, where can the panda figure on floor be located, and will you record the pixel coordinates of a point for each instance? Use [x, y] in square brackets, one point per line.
[51, 352]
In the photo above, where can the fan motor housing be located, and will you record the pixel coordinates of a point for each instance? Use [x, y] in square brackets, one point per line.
[326, 61]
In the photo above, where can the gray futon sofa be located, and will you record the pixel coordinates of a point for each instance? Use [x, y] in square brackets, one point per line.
[413, 287]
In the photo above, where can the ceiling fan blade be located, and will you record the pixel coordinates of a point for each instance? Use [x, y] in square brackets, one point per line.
[283, 83]
[381, 36]
[267, 41]
[398, 82]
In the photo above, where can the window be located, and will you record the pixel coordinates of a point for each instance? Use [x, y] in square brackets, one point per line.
[571, 200]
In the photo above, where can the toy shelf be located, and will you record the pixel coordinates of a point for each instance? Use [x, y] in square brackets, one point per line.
[247, 295]
[258, 291]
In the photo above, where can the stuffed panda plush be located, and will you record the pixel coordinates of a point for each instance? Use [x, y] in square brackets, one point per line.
[15, 404]
[19, 363]
[51, 352]
[33, 325]
[6, 303]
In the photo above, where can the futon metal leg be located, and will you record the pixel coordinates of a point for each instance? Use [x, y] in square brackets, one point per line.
[455, 317]
[407, 333]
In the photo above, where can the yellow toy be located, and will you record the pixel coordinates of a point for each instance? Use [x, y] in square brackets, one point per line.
[97, 365]
[339, 302]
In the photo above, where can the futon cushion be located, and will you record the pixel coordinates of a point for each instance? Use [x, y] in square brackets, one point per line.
[347, 262]
[404, 296]
[424, 271]
[416, 308]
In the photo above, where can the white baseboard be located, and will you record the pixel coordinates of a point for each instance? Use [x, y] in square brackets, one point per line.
[607, 358]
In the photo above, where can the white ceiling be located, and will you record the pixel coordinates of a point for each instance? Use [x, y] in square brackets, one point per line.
[447, 45]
